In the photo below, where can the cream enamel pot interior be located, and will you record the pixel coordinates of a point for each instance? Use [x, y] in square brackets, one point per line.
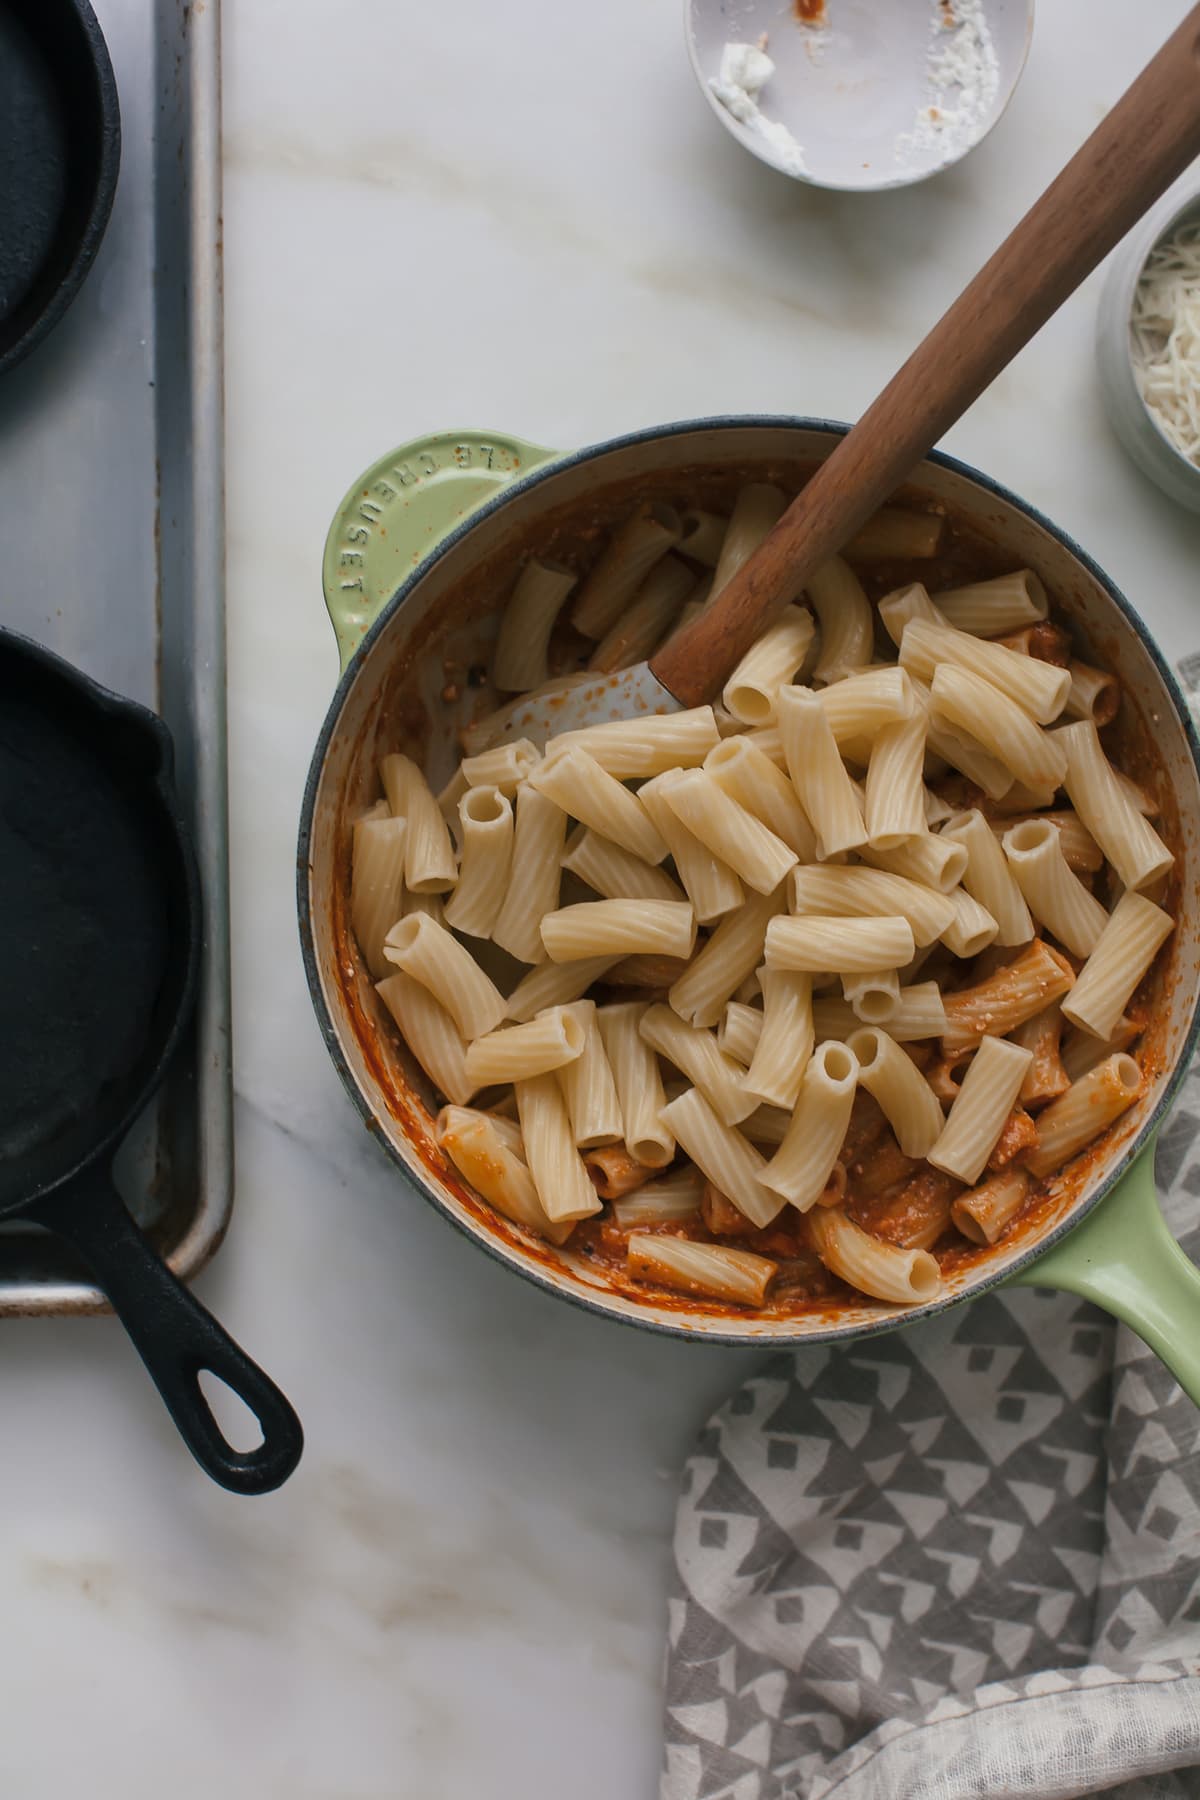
[419, 557]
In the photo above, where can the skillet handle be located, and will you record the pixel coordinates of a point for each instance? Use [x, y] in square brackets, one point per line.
[1123, 1257]
[400, 508]
[176, 1338]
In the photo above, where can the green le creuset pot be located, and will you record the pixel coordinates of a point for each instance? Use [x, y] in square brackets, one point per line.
[418, 561]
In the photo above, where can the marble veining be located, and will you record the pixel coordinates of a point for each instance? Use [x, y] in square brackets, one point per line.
[523, 219]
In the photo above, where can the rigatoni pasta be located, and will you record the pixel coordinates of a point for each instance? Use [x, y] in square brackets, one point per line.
[639, 1084]
[486, 835]
[376, 886]
[429, 862]
[771, 662]
[818, 772]
[528, 619]
[805, 1035]
[985, 1099]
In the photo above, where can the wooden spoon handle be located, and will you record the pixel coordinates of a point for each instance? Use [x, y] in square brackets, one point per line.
[1148, 139]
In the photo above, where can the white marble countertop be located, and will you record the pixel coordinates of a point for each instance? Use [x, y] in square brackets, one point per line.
[522, 218]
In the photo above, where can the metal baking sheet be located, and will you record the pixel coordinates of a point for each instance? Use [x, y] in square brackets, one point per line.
[112, 541]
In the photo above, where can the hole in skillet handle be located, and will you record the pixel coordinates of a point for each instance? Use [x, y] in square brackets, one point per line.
[177, 1339]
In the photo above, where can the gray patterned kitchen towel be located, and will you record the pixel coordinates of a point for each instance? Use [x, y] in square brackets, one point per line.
[957, 1561]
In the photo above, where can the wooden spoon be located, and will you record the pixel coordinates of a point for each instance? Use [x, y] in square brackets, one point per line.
[1144, 143]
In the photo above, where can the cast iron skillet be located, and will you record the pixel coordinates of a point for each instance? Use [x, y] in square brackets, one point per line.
[60, 149]
[100, 937]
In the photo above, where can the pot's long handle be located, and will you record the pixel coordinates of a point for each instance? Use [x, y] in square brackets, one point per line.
[401, 507]
[1123, 1257]
[176, 1338]
[1148, 138]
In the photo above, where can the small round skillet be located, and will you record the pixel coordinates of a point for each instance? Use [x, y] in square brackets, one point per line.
[100, 937]
[60, 150]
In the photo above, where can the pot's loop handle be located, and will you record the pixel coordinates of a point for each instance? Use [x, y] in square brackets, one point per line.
[176, 1338]
[400, 508]
[1123, 1257]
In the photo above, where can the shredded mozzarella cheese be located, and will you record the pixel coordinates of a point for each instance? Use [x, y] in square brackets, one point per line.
[1165, 338]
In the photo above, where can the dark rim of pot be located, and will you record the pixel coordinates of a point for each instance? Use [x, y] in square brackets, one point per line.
[93, 182]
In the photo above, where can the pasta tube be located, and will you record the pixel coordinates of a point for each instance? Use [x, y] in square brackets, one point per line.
[802, 1165]
[632, 749]
[771, 661]
[634, 548]
[896, 795]
[902, 1277]
[1081, 1051]
[641, 626]
[985, 1099]
[1088, 1107]
[989, 879]
[732, 953]
[874, 997]
[972, 928]
[477, 1148]
[619, 927]
[376, 886]
[1041, 688]
[909, 1103]
[555, 1037]
[860, 705]
[669, 1200]
[785, 1039]
[990, 608]
[639, 1084]
[706, 1269]
[847, 945]
[968, 702]
[1080, 848]
[555, 984]
[535, 603]
[919, 1014]
[750, 777]
[818, 774]
[694, 1052]
[735, 837]
[931, 861]
[1057, 898]
[872, 893]
[429, 953]
[1094, 695]
[1128, 944]
[1047, 1078]
[614, 1171]
[739, 1032]
[1006, 999]
[984, 1212]
[538, 837]
[587, 1084]
[430, 866]
[562, 1182]
[757, 508]
[613, 872]
[486, 818]
[727, 1158]
[577, 783]
[846, 620]
[1131, 844]
[711, 886]
[703, 535]
[904, 604]
[504, 767]
[430, 1034]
